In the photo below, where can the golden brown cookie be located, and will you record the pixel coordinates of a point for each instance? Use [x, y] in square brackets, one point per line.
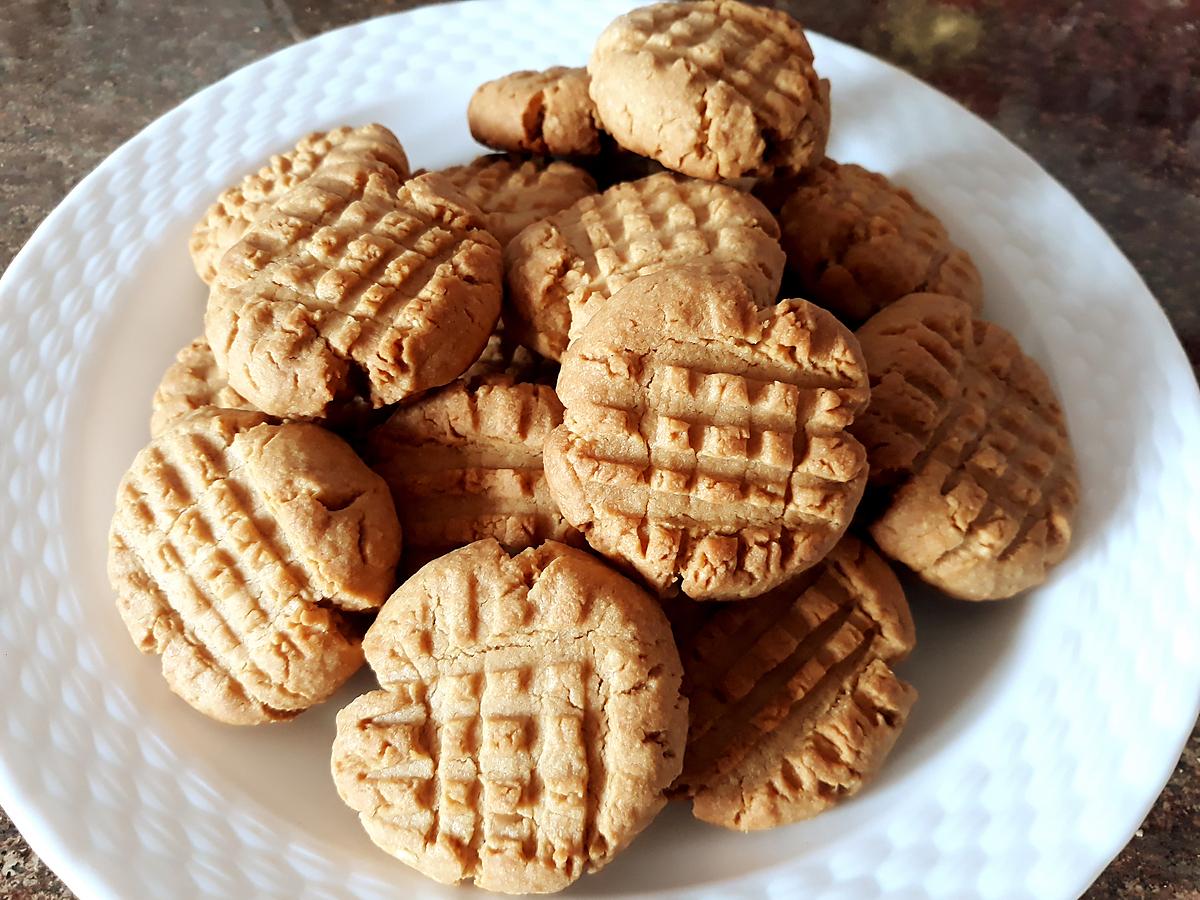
[465, 463]
[965, 432]
[353, 284]
[704, 442]
[192, 382]
[792, 701]
[561, 270]
[235, 547]
[514, 191]
[713, 89]
[530, 720]
[855, 242]
[536, 112]
[237, 208]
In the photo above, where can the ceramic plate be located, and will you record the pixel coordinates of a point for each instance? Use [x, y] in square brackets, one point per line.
[1046, 725]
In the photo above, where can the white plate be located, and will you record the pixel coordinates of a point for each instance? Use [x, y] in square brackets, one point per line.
[1046, 725]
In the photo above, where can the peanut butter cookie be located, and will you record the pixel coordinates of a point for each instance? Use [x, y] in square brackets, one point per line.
[465, 463]
[235, 548]
[704, 442]
[536, 112]
[713, 89]
[353, 284]
[966, 435]
[561, 270]
[237, 208]
[192, 382]
[793, 704]
[514, 192]
[855, 242]
[529, 724]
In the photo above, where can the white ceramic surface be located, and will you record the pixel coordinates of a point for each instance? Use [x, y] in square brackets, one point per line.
[1046, 725]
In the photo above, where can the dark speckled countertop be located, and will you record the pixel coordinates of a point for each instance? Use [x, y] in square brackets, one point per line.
[1105, 95]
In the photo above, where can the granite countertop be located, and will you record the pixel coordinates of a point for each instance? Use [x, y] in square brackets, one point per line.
[1105, 96]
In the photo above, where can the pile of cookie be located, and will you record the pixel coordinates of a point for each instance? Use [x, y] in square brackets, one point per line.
[602, 506]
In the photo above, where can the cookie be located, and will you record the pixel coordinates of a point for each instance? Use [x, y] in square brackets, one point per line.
[855, 242]
[561, 270]
[704, 442]
[195, 382]
[793, 704]
[352, 284]
[235, 549]
[192, 382]
[514, 192]
[237, 208]
[968, 443]
[465, 463]
[713, 89]
[529, 724]
[536, 112]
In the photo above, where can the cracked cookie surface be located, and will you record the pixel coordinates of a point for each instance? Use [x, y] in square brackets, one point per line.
[793, 704]
[704, 441]
[967, 438]
[529, 723]
[514, 192]
[237, 208]
[465, 463]
[353, 284]
[561, 270]
[192, 382]
[713, 89]
[856, 242]
[546, 111]
[235, 548]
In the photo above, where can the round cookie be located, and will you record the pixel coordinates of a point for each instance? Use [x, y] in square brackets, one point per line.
[966, 438]
[192, 382]
[235, 548]
[465, 463]
[529, 724]
[561, 270]
[792, 701]
[536, 112]
[713, 89]
[514, 192]
[352, 284]
[855, 242]
[704, 442]
[238, 207]
[195, 382]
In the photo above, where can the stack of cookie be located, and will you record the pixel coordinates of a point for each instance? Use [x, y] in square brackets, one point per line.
[623, 465]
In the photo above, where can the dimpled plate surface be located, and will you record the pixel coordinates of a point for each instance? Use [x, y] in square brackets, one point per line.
[1046, 725]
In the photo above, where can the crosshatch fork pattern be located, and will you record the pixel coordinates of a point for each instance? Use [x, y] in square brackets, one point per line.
[465, 463]
[792, 701]
[719, 466]
[530, 720]
[560, 271]
[489, 763]
[361, 271]
[969, 429]
[1040, 798]
[766, 77]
